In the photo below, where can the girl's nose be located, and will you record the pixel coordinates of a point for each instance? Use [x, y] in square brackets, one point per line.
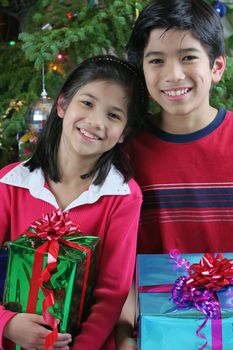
[95, 119]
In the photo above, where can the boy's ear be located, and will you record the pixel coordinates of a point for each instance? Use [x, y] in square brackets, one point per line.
[61, 106]
[218, 68]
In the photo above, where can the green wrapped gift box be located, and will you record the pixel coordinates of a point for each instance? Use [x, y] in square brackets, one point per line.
[70, 282]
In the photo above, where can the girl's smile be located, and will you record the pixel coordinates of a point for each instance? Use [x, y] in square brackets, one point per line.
[89, 136]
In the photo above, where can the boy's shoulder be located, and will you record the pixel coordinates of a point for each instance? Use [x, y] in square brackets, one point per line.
[230, 113]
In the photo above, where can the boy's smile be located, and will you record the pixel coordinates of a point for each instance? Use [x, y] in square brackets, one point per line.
[178, 76]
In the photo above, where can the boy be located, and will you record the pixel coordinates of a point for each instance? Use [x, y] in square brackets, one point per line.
[183, 160]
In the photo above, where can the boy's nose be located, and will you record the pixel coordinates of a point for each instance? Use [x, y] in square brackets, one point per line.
[174, 72]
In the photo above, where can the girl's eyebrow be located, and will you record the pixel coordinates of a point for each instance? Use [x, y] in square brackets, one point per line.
[153, 53]
[89, 95]
[118, 109]
[96, 99]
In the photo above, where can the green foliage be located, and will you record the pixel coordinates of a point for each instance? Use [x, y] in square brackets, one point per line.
[222, 93]
[4, 3]
[88, 31]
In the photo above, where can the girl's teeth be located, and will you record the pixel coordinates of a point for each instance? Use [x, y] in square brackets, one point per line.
[86, 133]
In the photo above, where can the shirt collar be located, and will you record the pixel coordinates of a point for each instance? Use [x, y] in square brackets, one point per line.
[34, 181]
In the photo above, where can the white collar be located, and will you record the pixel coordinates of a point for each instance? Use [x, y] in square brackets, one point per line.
[34, 181]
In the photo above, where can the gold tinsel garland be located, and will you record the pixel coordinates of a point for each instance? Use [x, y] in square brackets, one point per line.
[14, 105]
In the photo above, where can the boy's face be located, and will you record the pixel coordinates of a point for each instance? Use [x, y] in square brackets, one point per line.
[178, 75]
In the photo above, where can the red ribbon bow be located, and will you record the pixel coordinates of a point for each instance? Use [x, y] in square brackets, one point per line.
[52, 228]
[213, 273]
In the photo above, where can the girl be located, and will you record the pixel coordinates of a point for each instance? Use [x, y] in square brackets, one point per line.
[79, 166]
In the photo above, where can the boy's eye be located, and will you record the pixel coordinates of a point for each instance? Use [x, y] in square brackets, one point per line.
[189, 58]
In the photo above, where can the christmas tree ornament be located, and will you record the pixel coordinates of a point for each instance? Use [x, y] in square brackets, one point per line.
[47, 26]
[70, 15]
[39, 110]
[37, 115]
[220, 8]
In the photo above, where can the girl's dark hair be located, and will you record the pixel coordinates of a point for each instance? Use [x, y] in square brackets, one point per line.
[195, 16]
[101, 68]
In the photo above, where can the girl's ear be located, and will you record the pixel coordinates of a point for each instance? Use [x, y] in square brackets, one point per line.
[61, 106]
[218, 68]
[123, 136]
[121, 139]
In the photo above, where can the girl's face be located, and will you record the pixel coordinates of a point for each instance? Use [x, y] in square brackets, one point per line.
[94, 120]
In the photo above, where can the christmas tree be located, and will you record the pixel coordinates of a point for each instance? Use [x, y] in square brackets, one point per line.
[57, 35]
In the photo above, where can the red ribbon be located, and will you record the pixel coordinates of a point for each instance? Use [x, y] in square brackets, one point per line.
[52, 228]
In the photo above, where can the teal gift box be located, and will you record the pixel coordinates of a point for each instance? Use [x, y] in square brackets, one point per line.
[162, 324]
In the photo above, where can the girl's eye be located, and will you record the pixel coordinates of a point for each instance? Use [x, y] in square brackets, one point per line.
[87, 103]
[114, 116]
[156, 61]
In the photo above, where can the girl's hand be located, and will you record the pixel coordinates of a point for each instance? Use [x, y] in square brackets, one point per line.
[29, 332]
[62, 342]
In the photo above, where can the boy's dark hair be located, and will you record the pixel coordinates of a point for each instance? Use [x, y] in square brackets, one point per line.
[195, 16]
[98, 68]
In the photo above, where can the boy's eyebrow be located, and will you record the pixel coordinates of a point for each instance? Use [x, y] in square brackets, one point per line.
[161, 53]
[188, 49]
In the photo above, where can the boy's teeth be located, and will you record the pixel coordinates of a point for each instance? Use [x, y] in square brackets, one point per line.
[176, 92]
[86, 133]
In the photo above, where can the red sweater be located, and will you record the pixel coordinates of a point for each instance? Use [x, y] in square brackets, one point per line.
[110, 211]
[187, 185]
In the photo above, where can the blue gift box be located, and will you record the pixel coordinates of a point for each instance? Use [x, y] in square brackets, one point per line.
[3, 267]
[163, 325]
